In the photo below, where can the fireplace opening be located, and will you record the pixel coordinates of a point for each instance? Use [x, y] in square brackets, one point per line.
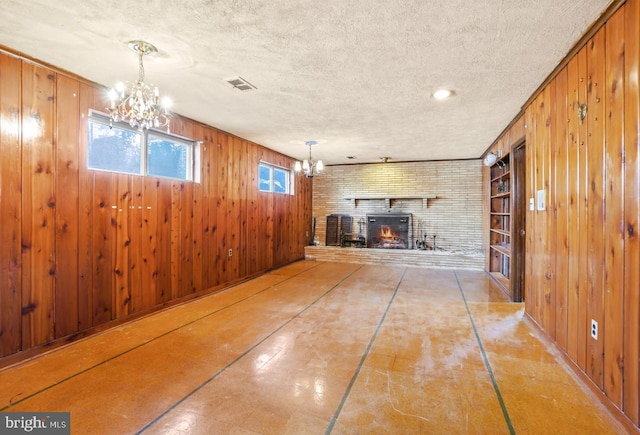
[389, 231]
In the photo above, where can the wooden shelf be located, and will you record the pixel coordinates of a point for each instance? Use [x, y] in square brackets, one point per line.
[502, 176]
[499, 261]
[499, 231]
[390, 199]
[503, 249]
[501, 195]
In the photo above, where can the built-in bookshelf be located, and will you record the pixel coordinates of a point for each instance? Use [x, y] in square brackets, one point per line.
[500, 222]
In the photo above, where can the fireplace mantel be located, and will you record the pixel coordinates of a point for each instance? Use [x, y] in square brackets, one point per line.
[389, 199]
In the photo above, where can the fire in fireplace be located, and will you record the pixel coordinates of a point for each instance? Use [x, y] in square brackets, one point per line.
[388, 231]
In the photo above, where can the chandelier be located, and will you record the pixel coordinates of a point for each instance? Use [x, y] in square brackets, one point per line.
[308, 166]
[138, 103]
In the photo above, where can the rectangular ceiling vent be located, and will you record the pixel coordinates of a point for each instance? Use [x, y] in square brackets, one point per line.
[240, 83]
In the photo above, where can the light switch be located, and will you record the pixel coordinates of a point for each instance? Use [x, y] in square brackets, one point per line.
[532, 205]
[541, 200]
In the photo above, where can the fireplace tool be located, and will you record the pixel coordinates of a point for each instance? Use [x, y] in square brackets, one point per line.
[421, 244]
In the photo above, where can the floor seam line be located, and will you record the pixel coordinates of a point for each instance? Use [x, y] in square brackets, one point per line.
[68, 378]
[245, 353]
[485, 359]
[347, 392]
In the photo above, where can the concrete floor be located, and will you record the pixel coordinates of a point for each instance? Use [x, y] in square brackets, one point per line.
[316, 348]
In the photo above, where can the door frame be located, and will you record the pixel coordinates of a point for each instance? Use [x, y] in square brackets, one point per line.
[519, 223]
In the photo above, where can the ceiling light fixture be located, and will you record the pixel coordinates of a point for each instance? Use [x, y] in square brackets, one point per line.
[139, 104]
[443, 94]
[308, 167]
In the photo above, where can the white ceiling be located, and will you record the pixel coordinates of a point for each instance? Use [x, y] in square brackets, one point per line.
[355, 75]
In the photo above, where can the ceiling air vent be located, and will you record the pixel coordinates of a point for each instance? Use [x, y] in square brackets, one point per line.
[240, 84]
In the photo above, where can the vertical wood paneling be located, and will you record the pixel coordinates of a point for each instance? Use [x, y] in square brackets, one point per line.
[103, 235]
[243, 174]
[574, 188]
[253, 217]
[222, 192]
[10, 206]
[186, 223]
[82, 247]
[120, 253]
[530, 282]
[594, 172]
[613, 95]
[583, 250]
[548, 215]
[88, 99]
[163, 241]
[67, 209]
[136, 252]
[631, 301]
[210, 183]
[38, 224]
[175, 242]
[560, 175]
[234, 223]
[595, 234]
[149, 245]
[540, 229]
[199, 213]
[186, 238]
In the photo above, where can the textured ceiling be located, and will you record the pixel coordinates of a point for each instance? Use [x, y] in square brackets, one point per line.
[355, 75]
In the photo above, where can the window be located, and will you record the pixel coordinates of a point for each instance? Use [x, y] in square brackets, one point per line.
[169, 157]
[273, 179]
[114, 149]
[120, 148]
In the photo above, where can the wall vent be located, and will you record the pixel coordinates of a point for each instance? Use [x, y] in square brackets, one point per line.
[240, 84]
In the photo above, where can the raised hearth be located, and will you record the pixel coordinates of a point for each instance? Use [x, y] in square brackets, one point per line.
[401, 257]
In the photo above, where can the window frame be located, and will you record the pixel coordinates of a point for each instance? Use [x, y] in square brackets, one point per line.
[272, 168]
[105, 120]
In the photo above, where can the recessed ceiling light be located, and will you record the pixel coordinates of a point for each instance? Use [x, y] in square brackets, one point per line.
[443, 94]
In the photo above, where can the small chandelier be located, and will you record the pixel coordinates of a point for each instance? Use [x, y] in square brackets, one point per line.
[309, 167]
[138, 103]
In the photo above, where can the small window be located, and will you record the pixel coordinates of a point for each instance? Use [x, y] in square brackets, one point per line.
[280, 180]
[168, 157]
[273, 179]
[117, 147]
[114, 149]
[264, 178]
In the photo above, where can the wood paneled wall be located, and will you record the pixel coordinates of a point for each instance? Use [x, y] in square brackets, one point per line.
[83, 249]
[583, 252]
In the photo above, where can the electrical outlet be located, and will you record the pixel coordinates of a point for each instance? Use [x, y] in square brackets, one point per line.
[230, 252]
[594, 329]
